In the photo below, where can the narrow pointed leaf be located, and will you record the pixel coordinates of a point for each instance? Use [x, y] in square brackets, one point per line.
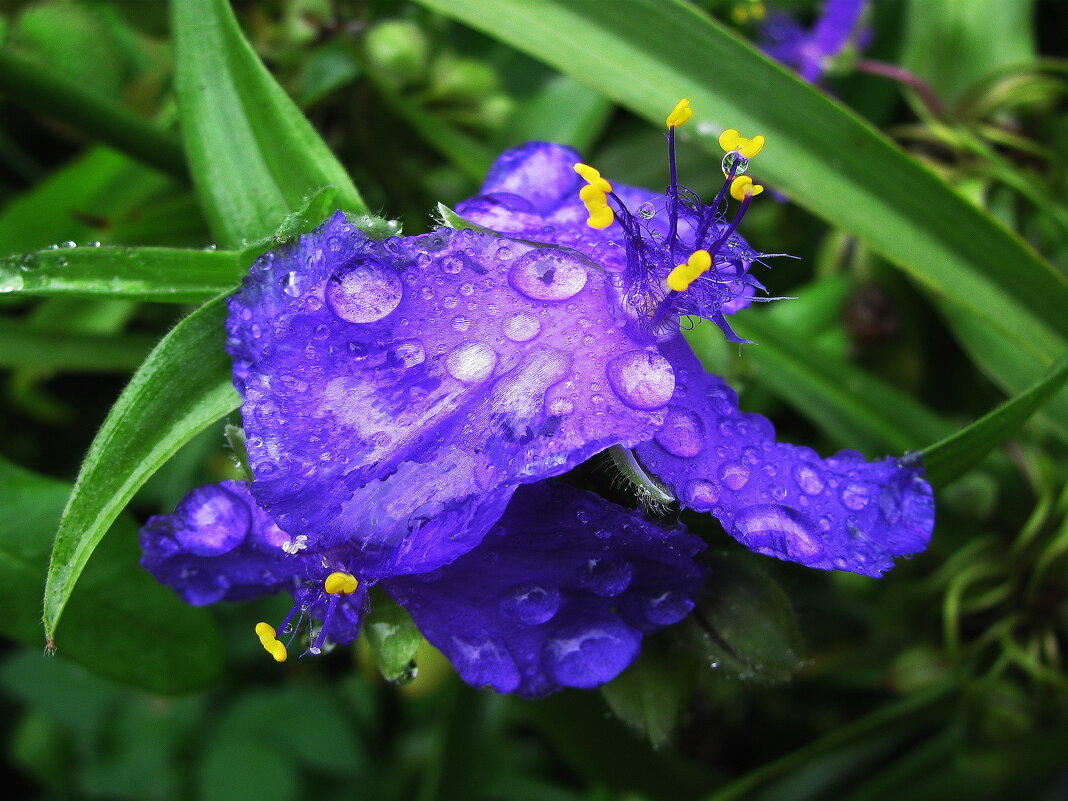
[183, 386]
[152, 274]
[253, 155]
[23, 346]
[646, 54]
[953, 456]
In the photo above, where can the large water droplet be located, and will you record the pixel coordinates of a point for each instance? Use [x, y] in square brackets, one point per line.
[778, 531]
[590, 656]
[700, 495]
[409, 353]
[471, 362]
[522, 327]
[212, 522]
[683, 433]
[606, 576]
[736, 160]
[364, 292]
[667, 608]
[855, 495]
[642, 379]
[808, 478]
[734, 474]
[483, 664]
[531, 604]
[545, 274]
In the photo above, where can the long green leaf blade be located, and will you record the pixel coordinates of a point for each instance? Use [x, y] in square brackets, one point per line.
[169, 275]
[955, 455]
[254, 156]
[24, 346]
[183, 385]
[645, 54]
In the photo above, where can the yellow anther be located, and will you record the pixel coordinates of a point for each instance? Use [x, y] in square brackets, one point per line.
[593, 177]
[682, 276]
[680, 114]
[731, 140]
[340, 583]
[743, 187]
[270, 643]
[600, 218]
[592, 194]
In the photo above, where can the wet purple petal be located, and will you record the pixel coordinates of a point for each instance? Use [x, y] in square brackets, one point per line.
[838, 513]
[446, 367]
[559, 594]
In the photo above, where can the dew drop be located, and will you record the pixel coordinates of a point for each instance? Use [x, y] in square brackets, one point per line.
[642, 379]
[683, 433]
[606, 576]
[545, 274]
[558, 407]
[808, 479]
[471, 362]
[461, 323]
[700, 495]
[522, 327]
[855, 495]
[736, 160]
[409, 353]
[667, 608]
[364, 292]
[734, 474]
[531, 604]
[779, 531]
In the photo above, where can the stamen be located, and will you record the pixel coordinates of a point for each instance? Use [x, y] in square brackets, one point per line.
[743, 187]
[340, 583]
[680, 114]
[682, 276]
[595, 197]
[270, 643]
[731, 140]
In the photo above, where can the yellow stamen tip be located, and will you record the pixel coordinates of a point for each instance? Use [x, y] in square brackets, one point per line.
[743, 187]
[728, 140]
[270, 643]
[593, 177]
[340, 583]
[680, 278]
[680, 114]
[731, 140]
[700, 260]
[752, 146]
[601, 217]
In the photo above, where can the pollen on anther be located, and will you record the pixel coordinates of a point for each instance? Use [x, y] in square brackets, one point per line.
[743, 187]
[679, 115]
[731, 140]
[339, 583]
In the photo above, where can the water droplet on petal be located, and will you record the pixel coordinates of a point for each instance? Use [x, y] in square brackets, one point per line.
[364, 292]
[606, 576]
[558, 407]
[471, 362]
[522, 327]
[855, 495]
[531, 604]
[667, 608]
[409, 353]
[778, 531]
[700, 495]
[545, 274]
[734, 474]
[642, 379]
[808, 479]
[683, 433]
[590, 656]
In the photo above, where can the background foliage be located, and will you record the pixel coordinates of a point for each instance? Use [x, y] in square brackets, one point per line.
[922, 189]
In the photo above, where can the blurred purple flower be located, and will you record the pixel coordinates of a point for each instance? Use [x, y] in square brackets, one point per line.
[810, 51]
[401, 395]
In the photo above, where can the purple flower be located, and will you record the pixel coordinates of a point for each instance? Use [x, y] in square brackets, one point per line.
[405, 400]
[810, 51]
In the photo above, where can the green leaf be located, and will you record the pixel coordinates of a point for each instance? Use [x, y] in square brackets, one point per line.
[954, 45]
[183, 386]
[153, 274]
[120, 622]
[253, 155]
[39, 89]
[393, 638]
[23, 346]
[954, 455]
[646, 54]
[563, 111]
[650, 696]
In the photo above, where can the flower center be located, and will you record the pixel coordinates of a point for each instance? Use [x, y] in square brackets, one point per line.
[683, 257]
[335, 586]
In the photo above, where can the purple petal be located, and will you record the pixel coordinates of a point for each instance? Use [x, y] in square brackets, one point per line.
[218, 546]
[836, 25]
[781, 500]
[448, 367]
[559, 594]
